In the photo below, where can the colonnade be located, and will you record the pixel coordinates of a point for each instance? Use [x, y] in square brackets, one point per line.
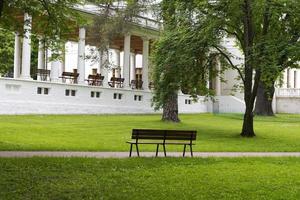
[22, 58]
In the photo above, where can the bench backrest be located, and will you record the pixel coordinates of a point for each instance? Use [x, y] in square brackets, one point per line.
[96, 76]
[155, 134]
[71, 74]
[117, 79]
[43, 71]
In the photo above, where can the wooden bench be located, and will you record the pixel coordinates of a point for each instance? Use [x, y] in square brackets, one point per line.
[95, 79]
[70, 76]
[136, 84]
[162, 137]
[43, 74]
[116, 82]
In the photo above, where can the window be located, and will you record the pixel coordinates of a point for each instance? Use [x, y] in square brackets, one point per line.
[73, 93]
[46, 91]
[138, 97]
[41, 90]
[95, 94]
[188, 101]
[118, 96]
[70, 93]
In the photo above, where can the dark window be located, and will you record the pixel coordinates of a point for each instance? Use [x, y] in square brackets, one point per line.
[46, 91]
[138, 97]
[98, 94]
[92, 94]
[39, 90]
[73, 93]
[67, 93]
[188, 101]
[117, 96]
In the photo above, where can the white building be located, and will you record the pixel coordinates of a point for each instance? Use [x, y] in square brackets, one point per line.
[125, 86]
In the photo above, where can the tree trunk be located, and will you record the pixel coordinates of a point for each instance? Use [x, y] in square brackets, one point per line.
[250, 86]
[170, 109]
[248, 130]
[1, 7]
[264, 99]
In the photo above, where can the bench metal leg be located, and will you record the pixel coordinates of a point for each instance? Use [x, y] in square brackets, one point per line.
[165, 150]
[130, 150]
[184, 150]
[157, 150]
[137, 150]
[191, 148]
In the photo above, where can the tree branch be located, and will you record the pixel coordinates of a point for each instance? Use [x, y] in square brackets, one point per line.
[230, 62]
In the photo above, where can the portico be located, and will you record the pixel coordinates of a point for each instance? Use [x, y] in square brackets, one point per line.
[120, 64]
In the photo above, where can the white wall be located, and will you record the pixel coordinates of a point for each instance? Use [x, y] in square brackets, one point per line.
[231, 75]
[20, 97]
[294, 78]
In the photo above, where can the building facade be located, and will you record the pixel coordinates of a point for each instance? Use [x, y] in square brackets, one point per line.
[76, 85]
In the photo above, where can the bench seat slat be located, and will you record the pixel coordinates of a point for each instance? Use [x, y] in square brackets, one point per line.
[174, 143]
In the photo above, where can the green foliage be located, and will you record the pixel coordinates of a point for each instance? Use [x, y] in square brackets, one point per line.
[276, 32]
[6, 51]
[113, 20]
[53, 20]
[182, 58]
[150, 178]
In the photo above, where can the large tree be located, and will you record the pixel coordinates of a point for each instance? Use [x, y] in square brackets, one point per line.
[285, 19]
[248, 22]
[181, 58]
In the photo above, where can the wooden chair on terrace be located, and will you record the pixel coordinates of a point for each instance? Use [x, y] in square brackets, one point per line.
[116, 82]
[71, 76]
[95, 79]
[136, 84]
[44, 74]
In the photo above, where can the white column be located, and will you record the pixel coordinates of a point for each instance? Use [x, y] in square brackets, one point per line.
[17, 56]
[145, 69]
[291, 78]
[126, 67]
[55, 67]
[218, 78]
[63, 63]
[103, 61]
[285, 78]
[26, 51]
[132, 66]
[81, 56]
[118, 63]
[41, 56]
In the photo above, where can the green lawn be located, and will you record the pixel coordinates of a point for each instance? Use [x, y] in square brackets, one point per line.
[150, 178]
[109, 132]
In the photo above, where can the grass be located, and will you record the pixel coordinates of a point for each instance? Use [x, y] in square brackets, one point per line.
[109, 133]
[150, 178]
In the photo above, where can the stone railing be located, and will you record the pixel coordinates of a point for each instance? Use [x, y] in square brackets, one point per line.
[288, 92]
